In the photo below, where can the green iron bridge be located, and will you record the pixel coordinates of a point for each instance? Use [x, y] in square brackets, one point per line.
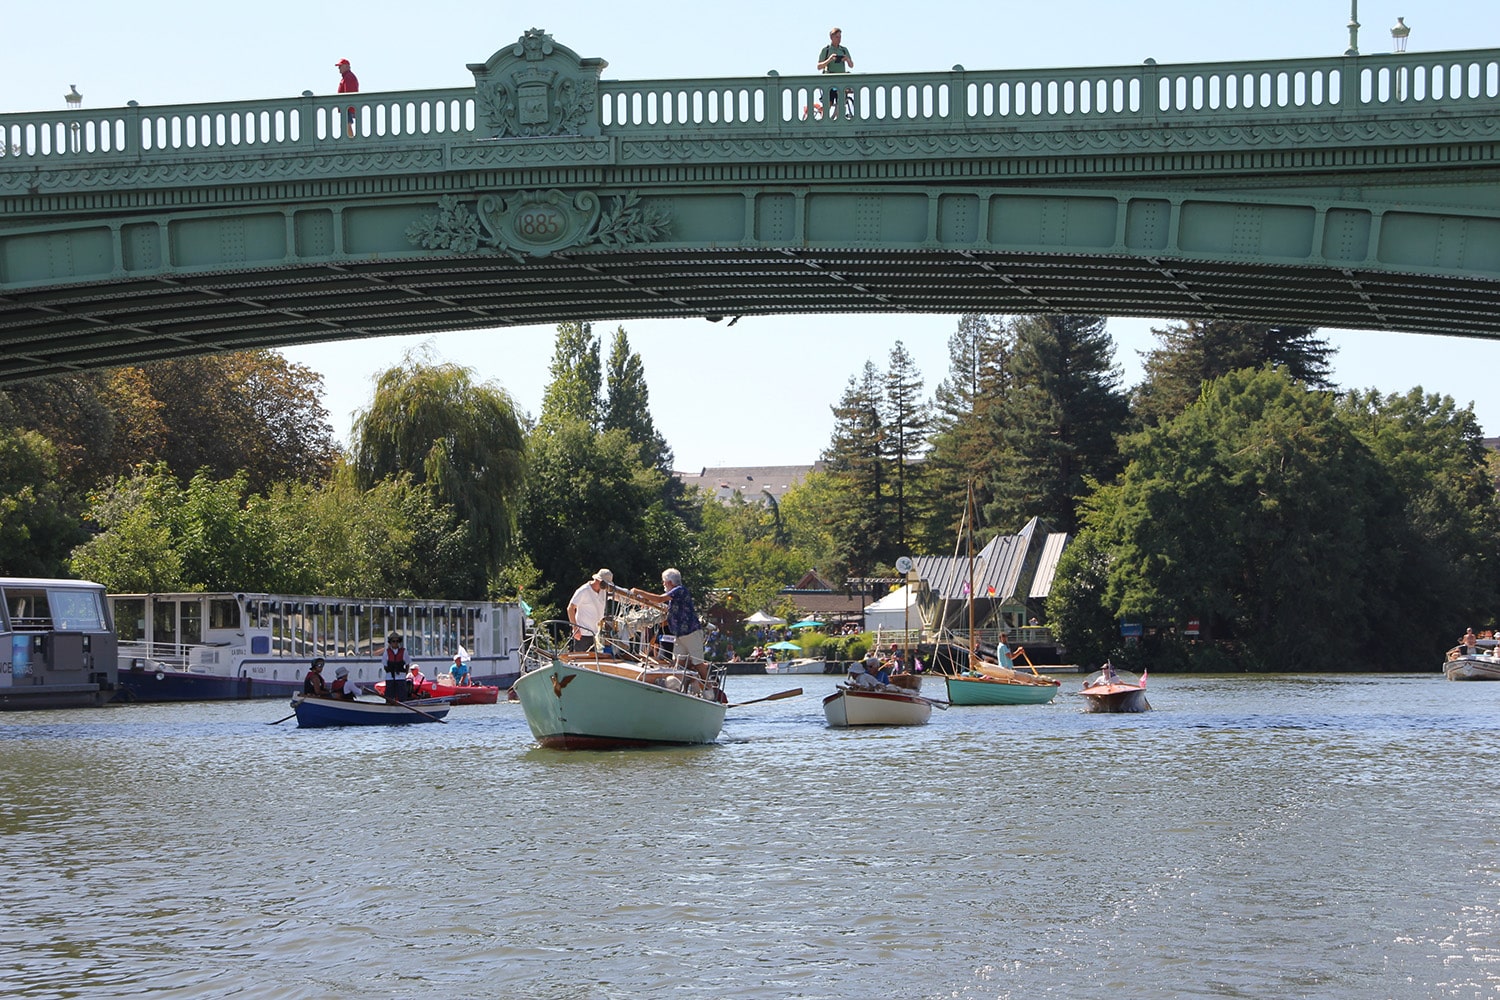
[1355, 192]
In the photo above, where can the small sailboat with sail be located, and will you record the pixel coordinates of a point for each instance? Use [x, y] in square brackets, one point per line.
[996, 682]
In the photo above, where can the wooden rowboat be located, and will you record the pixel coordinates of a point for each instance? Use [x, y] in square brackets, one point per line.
[320, 713]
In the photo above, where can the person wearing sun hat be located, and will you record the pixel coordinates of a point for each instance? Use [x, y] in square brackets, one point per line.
[348, 84]
[586, 608]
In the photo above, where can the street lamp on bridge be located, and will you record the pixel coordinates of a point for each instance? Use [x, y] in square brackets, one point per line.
[1399, 34]
[1353, 49]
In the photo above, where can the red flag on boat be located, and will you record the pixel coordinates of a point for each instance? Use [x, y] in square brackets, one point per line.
[991, 590]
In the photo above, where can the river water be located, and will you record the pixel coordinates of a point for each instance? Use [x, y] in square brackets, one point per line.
[1254, 836]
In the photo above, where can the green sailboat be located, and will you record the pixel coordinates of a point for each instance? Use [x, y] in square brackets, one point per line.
[993, 683]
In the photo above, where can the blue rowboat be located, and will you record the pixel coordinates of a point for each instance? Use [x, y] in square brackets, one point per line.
[319, 713]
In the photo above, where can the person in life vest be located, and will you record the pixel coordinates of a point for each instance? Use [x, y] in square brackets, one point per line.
[342, 687]
[396, 665]
[313, 684]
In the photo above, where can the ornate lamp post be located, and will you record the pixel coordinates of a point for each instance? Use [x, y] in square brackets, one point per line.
[75, 103]
[1353, 49]
[1399, 34]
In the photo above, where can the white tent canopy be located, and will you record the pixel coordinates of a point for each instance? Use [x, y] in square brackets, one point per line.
[894, 612]
[761, 618]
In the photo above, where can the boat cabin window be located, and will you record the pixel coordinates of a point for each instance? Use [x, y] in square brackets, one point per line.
[223, 614]
[76, 610]
[27, 608]
[130, 619]
[191, 622]
[164, 622]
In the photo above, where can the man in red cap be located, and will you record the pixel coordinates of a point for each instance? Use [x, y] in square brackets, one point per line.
[348, 84]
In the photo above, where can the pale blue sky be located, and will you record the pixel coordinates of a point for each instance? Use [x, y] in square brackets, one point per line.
[757, 393]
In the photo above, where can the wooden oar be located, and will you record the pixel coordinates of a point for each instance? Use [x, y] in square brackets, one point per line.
[280, 721]
[794, 692]
[413, 708]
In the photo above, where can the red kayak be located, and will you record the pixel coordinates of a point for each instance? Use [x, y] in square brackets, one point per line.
[462, 694]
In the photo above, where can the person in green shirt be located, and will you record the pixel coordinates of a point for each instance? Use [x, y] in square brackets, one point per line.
[834, 59]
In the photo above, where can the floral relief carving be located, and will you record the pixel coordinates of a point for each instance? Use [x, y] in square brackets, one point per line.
[537, 223]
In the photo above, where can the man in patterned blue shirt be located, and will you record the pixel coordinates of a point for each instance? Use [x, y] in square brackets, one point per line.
[682, 623]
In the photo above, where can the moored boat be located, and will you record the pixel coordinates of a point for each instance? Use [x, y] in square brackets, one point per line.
[322, 713]
[1111, 690]
[799, 666]
[226, 646]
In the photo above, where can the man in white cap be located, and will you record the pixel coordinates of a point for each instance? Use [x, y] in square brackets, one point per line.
[343, 687]
[586, 607]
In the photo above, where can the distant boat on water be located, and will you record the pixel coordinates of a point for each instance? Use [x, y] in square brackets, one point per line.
[1111, 690]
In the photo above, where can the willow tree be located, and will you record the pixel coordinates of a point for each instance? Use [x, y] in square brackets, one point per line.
[463, 440]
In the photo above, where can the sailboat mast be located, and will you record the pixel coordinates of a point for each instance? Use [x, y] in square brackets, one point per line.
[969, 520]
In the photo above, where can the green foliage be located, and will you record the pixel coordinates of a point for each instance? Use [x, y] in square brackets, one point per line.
[1261, 513]
[250, 411]
[37, 521]
[965, 439]
[747, 559]
[860, 523]
[907, 419]
[1059, 423]
[573, 389]
[590, 503]
[159, 535]
[1193, 353]
[431, 422]
[628, 405]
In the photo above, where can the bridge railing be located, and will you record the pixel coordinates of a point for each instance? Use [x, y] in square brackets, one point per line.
[176, 131]
[1124, 95]
[1245, 92]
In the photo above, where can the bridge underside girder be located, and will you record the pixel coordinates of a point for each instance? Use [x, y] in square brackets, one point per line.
[45, 332]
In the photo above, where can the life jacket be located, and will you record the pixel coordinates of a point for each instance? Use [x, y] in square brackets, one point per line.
[339, 684]
[395, 659]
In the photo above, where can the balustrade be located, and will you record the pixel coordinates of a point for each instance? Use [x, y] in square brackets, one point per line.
[1124, 97]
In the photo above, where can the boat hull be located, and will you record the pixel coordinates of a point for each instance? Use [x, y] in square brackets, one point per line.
[852, 707]
[324, 713]
[1480, 667]
[797, 667]
[576, 707]
[457, 694]
[1116, 698]
[987, 691]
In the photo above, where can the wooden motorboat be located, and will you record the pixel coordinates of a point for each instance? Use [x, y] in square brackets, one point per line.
[1111, 690]
[319, 713]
